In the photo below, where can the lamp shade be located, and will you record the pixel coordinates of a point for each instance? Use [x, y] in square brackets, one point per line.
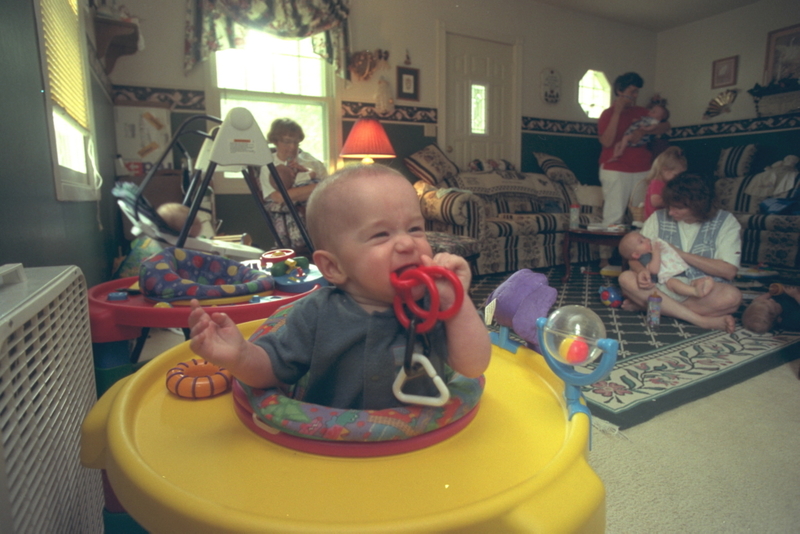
[367, 140]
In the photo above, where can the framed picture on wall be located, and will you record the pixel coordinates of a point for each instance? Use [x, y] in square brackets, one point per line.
[724, 71]
[783, 54]
[407, 83]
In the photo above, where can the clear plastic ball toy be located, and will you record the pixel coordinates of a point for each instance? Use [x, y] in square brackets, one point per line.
[571, 334]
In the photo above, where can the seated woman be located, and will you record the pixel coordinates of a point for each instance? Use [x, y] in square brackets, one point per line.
[300, 172]
[706, 238]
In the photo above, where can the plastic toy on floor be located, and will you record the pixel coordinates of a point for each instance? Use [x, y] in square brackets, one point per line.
[610, 296]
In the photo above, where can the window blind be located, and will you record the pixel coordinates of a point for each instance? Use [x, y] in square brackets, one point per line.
[61, 32]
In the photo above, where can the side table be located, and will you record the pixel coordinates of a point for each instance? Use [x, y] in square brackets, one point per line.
[580, 235]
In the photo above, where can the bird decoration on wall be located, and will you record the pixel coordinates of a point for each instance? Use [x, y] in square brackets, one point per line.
[721, 103]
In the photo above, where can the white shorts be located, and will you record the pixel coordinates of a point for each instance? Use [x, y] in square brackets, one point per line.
[671, 294]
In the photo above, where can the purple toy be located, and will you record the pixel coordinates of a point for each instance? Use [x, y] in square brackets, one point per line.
[521, 300]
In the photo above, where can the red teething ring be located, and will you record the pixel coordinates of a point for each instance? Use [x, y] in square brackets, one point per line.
[411, 278]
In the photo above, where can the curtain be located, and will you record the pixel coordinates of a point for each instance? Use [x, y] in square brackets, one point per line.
[213, 25]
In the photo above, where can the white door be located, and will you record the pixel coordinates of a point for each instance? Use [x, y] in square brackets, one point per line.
[482, 113]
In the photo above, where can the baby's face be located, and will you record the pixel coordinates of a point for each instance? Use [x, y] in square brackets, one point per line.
[382, 231]
[658, 113]
[641, 245]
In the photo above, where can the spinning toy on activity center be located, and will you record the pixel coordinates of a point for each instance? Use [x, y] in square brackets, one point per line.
[571, 336]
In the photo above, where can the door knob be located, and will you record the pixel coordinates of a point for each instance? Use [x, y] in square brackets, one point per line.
[449, 148]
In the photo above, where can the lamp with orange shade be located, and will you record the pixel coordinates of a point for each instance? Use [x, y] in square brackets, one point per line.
[367, 140]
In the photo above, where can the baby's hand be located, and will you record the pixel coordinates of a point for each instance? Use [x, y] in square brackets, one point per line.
[459, 267]
[215, 337]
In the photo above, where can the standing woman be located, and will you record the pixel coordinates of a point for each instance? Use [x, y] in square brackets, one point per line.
[618, 177]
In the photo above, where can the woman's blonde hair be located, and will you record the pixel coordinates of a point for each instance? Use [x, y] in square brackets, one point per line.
[671, 158]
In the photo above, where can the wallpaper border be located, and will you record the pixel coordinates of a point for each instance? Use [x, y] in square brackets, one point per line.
[194, 100]
[416, 114]
[177, 99]
[744, 126]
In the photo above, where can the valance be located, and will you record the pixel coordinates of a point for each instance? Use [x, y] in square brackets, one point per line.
[213, 25]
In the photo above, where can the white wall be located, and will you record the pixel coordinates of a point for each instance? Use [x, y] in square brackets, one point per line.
[685, 56]
[160, 63]
[551, 37]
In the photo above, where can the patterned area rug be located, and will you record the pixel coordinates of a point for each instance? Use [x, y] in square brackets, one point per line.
[660, 370]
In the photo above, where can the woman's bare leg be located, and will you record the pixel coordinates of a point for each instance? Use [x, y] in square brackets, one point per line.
[717, 316]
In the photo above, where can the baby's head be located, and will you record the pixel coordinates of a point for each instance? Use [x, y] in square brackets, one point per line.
[659, 112]
[365, 222]
[760, 316]
[175, 215]
[633, 245]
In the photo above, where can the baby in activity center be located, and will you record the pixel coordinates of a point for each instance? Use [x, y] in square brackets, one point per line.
[664, 264]
[779, 308]
[666, 166]
[365, 222]
[658, 114]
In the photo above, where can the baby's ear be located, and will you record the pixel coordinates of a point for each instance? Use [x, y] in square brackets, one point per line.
[328, 265]
[636, 255]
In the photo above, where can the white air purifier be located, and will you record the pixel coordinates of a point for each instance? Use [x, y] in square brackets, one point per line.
[47, 386]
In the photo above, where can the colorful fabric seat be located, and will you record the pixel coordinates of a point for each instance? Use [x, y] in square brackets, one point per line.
[176, 274]
[287, 414]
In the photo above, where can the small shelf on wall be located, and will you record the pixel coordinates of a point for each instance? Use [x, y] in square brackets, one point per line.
[115, 38]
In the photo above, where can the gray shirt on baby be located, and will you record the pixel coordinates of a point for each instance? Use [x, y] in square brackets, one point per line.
[352, 357]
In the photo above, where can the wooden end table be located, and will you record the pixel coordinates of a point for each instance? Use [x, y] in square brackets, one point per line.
[581, 235]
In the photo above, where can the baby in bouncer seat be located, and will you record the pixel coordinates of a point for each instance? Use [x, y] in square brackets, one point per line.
[366, 223]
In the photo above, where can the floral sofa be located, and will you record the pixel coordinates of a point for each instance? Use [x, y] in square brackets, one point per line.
[519, 219]
[767, 238]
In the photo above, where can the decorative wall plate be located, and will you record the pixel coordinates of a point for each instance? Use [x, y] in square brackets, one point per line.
[721, 103]
[551, 86]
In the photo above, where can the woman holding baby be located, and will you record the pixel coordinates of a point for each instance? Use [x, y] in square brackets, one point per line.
[619, 175]
[300, 172]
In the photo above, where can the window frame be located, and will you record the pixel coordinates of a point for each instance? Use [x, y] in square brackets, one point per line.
[70, 185]
[236, 186]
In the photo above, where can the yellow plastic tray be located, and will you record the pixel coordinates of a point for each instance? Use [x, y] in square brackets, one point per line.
[180, 465]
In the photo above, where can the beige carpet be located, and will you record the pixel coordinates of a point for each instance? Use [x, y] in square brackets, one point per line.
[727, 463]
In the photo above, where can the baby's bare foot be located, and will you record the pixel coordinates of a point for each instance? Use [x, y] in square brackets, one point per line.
[703, 286]
[726, 323]
[629, 305]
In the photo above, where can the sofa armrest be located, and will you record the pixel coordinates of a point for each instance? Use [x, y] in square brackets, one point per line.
[452, 208]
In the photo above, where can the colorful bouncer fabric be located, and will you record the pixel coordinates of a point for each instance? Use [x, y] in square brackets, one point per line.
[176, 274]
[314, 421]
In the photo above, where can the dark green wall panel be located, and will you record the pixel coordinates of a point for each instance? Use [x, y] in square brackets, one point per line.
[581, 154]
[37, 229]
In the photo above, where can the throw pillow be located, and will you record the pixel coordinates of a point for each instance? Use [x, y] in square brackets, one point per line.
[478, 165]
[431, 165]
[735, 161]
[556, 169]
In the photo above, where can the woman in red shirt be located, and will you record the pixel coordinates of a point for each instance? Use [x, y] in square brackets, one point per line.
[618, 177]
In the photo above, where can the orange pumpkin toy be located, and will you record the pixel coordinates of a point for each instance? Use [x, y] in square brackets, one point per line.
[198, 379]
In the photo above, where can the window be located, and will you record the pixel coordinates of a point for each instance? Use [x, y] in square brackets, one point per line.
[274, 78]
[65, 69]
[594, 93]
[478, 107]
